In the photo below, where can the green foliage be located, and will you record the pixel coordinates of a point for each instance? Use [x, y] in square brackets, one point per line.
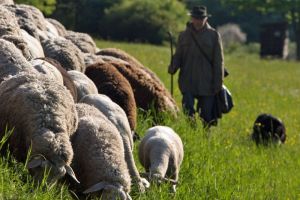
[145, 21]
[82, 15]
[46, 6]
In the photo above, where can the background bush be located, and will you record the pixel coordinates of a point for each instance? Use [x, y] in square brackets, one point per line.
[143, 20]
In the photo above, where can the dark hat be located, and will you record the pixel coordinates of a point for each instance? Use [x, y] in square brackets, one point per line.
[199, 12]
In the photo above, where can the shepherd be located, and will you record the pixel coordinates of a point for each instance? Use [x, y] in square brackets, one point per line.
[199, 56]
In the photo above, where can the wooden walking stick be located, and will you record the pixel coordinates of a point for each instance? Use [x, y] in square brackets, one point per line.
[171, 46]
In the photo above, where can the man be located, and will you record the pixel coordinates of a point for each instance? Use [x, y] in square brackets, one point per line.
[199, 56]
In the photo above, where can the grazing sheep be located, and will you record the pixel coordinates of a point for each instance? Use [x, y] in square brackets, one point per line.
[34, 46]
[10, 31]
[12, 61]
[147, 92]
[68, 82]
[83, 84]
[118, 117]
[37, 16]
[25, 19]
[51, 30]
[111, 83]
[90, 59]
[161, 154]
[64, 51]
[20, 43]
[59, 27]
[48, 69]
[8, 22]
[99, 161]
[268, 128]
[6, 2]
[118, 53]
[43, 116]
[83, 41]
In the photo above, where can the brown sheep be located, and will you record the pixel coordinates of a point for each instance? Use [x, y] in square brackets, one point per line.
[147, 87]
[112, 83]
[147, 92]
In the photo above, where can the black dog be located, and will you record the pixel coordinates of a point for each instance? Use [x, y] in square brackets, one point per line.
[268, 128]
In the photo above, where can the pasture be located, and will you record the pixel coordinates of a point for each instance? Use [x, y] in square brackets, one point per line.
[222, 163]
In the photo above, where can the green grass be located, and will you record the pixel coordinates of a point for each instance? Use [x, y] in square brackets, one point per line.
[221, 164]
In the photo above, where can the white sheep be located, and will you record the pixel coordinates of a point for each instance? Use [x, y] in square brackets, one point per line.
[83, 41]
[161, 154]
[43, 116]
[34, 46]
[12, 60]
[118, 117]
[99, 161]
[7, 2]
[64, 51]
[84, 84]
[44, 67]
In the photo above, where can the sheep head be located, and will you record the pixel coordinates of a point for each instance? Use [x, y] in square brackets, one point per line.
[39, 166]
[109, 191]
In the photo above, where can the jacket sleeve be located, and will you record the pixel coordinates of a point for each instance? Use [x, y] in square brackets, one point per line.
[177, 57]
[218, 62]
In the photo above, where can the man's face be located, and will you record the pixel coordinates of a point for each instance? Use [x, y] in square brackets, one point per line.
[199, 23]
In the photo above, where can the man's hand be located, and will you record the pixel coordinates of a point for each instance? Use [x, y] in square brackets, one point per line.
[171, 70]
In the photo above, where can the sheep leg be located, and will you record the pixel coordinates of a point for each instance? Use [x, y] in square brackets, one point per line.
[141, 182]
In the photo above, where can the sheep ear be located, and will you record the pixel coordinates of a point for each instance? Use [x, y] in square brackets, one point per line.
[95, 188]
[34, 163]
[70, 171]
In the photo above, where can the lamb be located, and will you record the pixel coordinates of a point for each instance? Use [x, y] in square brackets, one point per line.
[268, 128]
[111, 83]
[64, 51]
[99, 155]
[118, 117]
[147, 92]
[83, 84]
[83, 41]
[12, 61]
[43, 116]
[161, 154]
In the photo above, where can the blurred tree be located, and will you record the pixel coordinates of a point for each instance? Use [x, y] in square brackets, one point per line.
[82, 15]
[46, 6]
[290, 9]
[143, 20]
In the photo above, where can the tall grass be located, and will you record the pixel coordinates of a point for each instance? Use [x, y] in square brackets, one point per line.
[222, 163]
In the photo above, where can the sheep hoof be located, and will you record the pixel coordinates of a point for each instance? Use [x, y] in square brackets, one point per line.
[145, 183]
[173, 189]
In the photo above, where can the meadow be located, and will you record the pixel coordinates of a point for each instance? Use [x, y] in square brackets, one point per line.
[222, 163]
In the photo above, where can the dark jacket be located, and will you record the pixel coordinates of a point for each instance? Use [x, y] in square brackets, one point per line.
[197, 76]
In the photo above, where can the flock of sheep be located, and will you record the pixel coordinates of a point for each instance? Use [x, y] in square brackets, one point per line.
[72, 108]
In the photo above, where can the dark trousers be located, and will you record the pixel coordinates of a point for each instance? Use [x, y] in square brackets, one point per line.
[205, 106]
